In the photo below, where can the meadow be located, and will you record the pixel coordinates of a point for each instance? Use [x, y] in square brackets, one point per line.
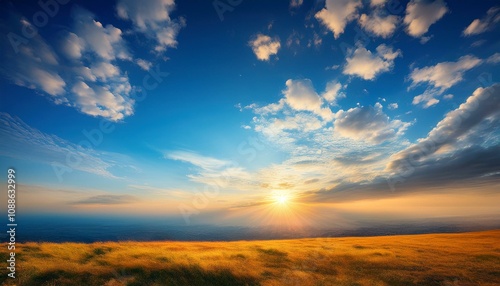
[431, 259]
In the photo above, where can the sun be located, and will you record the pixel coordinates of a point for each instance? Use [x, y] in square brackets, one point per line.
[282, 199]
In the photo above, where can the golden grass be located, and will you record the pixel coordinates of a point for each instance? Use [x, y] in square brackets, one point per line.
[433, 259]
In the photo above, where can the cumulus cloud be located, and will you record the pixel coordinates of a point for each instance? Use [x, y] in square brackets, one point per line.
[333, 92]
[264, 46]
[300, 95]
[82, 70]
[376, 23]
[105, 41]
[479, 26]
[441, 77]
[367, 65]
[420, 15]
[153, 19]
[368, 123]
[337, 13]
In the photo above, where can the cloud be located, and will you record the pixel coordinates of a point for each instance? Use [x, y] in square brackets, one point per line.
[461, 153]
[81, 71]
[479, 26]
[379, 25]
[393, 106]
[143, 64]
[363, 63]
[337, 13]
[494, 59]
[377, 3]
[107, 200]
[206, 163]
[21, 141]
[459, 127]
[333, 92]
[264, 46]
[296, 3]
[441, 77]
[420, 15]
[368, 123]
[153, 19]
[104, 41]
[300, 95]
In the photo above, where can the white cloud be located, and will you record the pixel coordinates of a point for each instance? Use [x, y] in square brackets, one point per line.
[332, 93]
[446, 74]
[494, 59]
[365, 64]
[264, 46]
[479, 26]
[143, 64]
[300, 95]
[368, 123]
[105, 41]
[440, 77]
[72, 46]
[393, 106]
[378, 24]
[204, 162]
[82, 72]
[376, 3]
[420, 15]
[337, 13]
[427, 99]
[153, 19]
[51, 83]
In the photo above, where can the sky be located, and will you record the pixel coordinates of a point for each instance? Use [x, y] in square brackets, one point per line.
[252, 112]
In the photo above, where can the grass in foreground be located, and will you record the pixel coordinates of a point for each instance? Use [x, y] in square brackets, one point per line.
[434, 259]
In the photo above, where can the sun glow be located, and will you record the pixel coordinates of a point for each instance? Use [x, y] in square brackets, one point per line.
[282, 199]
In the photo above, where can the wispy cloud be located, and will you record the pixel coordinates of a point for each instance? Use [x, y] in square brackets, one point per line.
[107, 200]
[488, 22]
[22, 141]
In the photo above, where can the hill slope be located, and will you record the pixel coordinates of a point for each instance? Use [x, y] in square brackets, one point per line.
[433, 259]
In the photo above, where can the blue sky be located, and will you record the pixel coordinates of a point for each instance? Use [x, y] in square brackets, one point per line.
[323, 102]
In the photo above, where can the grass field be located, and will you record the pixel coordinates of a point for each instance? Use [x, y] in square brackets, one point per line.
[434, 259]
